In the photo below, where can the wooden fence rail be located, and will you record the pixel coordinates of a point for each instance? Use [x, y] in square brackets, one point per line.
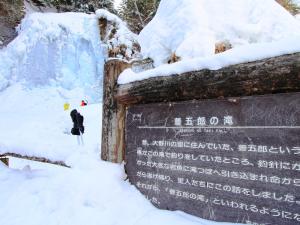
[33, 158]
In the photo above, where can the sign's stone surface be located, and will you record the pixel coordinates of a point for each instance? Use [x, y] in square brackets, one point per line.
[234, 160]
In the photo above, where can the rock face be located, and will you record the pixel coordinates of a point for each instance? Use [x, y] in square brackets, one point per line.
[11, 13]
[121, 42]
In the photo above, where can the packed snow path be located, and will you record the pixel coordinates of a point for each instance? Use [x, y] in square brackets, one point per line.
[91, 192]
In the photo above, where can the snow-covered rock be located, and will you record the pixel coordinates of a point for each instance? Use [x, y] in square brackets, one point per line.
[122, 43]
[192, 28]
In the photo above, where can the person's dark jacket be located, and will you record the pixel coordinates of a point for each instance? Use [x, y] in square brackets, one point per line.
[77, 122]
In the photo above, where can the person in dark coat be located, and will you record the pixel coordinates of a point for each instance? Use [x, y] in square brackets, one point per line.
[77, 119]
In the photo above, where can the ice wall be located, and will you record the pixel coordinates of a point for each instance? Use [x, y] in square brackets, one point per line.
[62, 50]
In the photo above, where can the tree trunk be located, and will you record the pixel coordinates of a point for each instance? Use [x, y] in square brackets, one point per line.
[113, 120]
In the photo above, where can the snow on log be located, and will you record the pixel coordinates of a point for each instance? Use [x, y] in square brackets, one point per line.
[33, 158]
[273, 75]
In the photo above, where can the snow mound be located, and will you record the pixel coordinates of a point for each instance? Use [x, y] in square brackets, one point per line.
[62, 50]
[192, 28]
[102, 13]
[242, 54]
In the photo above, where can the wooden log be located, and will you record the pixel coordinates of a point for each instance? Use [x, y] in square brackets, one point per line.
[274, 75]
[33, 158]
[113, 120]
[5, 160]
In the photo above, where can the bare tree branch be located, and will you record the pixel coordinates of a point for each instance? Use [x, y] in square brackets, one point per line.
[138, 12]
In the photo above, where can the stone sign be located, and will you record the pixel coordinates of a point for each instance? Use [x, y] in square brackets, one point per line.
[234, 160]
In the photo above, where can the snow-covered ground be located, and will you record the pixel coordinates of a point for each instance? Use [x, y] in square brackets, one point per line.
[34, 122]
[91, 192]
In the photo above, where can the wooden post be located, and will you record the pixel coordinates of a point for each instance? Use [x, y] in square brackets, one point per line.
[113, 120]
